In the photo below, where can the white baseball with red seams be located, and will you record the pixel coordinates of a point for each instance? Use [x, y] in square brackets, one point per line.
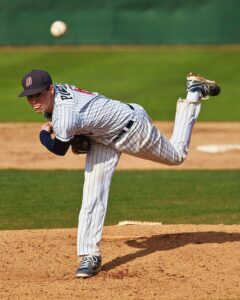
[80, 112]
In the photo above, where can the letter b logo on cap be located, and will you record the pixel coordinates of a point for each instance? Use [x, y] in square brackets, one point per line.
[28, 81]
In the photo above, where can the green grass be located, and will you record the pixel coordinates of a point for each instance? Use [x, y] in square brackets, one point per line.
[52, 199]
[151, 76]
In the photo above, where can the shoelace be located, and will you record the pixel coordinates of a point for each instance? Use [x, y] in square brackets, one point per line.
[88, 260]
[204, 87]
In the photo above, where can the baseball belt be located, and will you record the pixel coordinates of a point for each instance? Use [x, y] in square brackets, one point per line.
[126, 128]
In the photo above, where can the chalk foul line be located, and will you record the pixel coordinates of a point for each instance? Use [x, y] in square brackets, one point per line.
[218, 148]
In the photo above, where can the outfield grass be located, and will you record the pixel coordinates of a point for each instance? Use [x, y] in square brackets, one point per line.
[151, 76]
[52, 199]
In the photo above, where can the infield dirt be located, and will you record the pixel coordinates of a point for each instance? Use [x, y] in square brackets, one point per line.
[139, 262]
[22, 149]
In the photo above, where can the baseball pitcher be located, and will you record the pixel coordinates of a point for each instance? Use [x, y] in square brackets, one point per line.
[104, 128]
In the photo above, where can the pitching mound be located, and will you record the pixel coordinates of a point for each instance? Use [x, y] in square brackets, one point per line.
[139, 262]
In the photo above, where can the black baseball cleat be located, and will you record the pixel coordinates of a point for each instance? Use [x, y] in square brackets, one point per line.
[89, 266]
[205, 86]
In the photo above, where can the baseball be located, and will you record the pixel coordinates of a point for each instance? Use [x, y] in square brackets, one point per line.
[58, 28]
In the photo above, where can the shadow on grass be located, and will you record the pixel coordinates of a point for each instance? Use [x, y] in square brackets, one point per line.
[164, 242]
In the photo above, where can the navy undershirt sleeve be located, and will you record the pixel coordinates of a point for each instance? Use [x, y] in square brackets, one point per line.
[54, 145]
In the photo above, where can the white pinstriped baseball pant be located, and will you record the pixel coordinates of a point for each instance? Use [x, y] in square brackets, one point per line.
[143, 140]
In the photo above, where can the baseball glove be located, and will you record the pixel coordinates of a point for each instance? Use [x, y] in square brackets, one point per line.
[80, 144]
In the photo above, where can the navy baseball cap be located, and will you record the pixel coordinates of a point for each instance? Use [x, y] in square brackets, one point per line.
[35, 82]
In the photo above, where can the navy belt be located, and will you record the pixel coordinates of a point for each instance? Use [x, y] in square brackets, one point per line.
[132, 108]
[126, 128]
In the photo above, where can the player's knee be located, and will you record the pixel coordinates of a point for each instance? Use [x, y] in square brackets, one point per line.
[175, 162]
[180, 159]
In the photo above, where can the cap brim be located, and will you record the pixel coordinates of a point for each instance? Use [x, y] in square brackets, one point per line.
[31, 92]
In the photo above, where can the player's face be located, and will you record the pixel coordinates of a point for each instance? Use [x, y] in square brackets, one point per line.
[42, 102]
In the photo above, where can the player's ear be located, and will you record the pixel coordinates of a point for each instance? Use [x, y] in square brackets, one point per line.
[51, 89]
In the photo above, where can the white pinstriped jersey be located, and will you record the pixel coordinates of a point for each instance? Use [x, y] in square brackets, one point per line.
[81, 112]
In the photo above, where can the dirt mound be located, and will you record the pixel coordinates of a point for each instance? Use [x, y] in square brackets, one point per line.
[139, 262]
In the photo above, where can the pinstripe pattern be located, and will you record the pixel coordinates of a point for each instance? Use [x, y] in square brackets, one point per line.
[100, 166]
[186, 116]
[87, 113]
[102, 119]
[144, 140]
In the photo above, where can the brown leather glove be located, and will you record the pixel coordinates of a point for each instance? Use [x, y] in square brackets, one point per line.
[80, 144]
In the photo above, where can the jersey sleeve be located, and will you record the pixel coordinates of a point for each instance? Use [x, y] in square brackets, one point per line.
[64, 124]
